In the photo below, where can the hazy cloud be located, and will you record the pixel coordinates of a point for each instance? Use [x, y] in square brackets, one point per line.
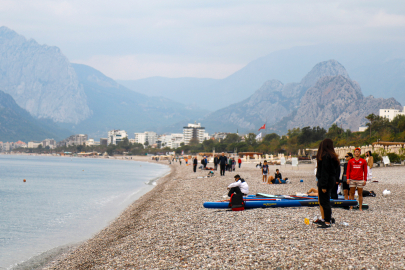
[136, 39]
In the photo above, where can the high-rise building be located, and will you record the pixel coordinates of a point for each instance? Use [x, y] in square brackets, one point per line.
[193, 131]
[116, 136]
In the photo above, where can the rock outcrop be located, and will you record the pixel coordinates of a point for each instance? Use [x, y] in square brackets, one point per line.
[271, 102]
[337, 99]
[40, 79]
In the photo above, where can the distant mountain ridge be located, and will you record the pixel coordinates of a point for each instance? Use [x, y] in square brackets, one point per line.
[336, 99]
[116, 107]
[40, 79]
[326, 95]
[378, 67]
[271, 102]
[79, 98]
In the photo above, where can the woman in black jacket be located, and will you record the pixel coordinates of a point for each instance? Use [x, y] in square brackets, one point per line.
[327, 174]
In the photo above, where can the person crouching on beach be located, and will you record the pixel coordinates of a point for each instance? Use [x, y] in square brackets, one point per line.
[265, 171]
[238, 187]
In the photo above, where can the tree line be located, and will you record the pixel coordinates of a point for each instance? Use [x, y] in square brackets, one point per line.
[378, 128]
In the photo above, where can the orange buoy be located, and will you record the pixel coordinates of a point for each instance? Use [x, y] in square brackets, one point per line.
[24, 180]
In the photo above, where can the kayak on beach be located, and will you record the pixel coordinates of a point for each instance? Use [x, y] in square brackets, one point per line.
[274, 202]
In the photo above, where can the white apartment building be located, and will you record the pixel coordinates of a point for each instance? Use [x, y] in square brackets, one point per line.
[49, 142]
[147, 136]
[193, 131]
[391, 113]
[172, 140]
[92, 142]
[116, 136]
[33, 144]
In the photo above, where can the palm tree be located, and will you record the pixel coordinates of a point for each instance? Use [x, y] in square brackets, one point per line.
[371, 117]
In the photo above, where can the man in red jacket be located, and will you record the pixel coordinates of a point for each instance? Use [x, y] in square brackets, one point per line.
[357, 176]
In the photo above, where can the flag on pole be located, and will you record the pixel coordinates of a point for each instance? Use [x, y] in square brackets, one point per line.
[258, 136]
[263, 127]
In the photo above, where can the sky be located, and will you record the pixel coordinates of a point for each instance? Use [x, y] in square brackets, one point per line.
[130, 39]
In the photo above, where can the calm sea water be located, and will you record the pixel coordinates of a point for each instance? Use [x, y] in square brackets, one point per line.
[64, 200]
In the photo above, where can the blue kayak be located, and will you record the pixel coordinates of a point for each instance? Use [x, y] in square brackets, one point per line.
[272, 203]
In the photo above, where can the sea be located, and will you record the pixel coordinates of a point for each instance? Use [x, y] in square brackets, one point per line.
[64, 200]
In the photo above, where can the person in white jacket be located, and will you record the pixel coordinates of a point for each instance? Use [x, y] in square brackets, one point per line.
[239, 186]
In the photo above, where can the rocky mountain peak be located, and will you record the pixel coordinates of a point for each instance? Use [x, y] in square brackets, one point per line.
[40, 79]
[322, 69]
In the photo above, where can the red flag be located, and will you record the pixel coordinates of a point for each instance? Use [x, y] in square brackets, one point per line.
[263, 127]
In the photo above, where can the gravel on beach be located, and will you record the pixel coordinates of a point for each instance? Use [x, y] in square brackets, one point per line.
[168, 228]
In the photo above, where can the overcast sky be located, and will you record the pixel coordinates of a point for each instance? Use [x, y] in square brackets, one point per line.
[128, 39]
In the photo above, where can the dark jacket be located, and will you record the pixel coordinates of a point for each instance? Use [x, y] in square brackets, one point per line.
[278, 175]
[222, 160]
[195, 162]
[328, 172]
[215, 160]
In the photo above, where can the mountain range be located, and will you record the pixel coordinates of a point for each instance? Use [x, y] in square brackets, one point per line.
[65, 98]
[378, 67]
[77, 97]
[326, 95]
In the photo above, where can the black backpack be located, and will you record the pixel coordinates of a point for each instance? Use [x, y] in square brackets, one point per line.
[236, 202]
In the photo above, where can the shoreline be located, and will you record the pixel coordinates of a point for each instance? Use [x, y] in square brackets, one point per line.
[42, 260]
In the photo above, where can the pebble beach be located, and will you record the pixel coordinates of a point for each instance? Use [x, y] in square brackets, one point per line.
[168, 228]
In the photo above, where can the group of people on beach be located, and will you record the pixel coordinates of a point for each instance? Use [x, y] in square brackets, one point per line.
[356, 172]
[225, 163]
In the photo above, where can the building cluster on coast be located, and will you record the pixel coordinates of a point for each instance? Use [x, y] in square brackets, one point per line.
[149, 138]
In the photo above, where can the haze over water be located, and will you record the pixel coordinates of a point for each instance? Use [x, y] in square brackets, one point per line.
[65, 200]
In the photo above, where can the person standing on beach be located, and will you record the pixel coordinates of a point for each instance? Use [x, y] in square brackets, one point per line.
[230, 164]
[239, 162]
[216, 162]
[265, 171]
[195, 162]
[345, 186]
[370, 164]
[327, 174]
[222, 160]
[357, 176]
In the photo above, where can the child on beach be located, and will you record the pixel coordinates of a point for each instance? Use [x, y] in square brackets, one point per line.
[265, 171]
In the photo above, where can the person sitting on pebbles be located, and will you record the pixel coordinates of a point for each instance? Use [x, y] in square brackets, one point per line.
[238, 187]
[277, 179]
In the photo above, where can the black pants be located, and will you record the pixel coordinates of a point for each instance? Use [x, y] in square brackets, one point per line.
[222, 169]
[235, 190]
[324, 201]
[194, 167]
[334, 194]
[215, 166]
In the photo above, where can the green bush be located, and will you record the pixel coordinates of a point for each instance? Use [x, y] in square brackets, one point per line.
[394, 158]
